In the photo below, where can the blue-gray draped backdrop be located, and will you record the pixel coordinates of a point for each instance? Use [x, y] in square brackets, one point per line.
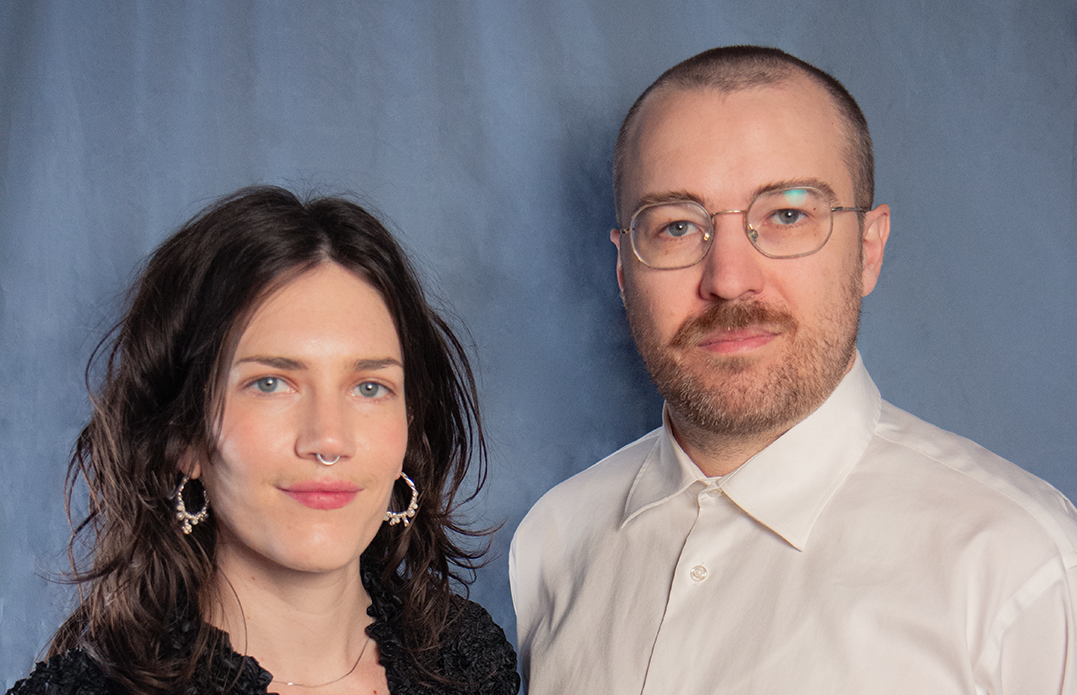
[482, 131]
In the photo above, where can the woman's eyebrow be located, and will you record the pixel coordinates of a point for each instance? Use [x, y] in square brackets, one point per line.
[274, 362]
[287, 363]
[382, 363]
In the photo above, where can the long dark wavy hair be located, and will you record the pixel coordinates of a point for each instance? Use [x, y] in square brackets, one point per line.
[143, 581]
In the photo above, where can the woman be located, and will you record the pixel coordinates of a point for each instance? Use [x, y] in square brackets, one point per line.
[273, 462]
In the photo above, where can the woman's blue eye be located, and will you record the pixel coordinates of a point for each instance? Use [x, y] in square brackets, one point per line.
[268, 384]
[370, 389]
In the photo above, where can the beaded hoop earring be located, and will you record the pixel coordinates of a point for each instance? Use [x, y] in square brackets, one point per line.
[187, 520]
[405, 516]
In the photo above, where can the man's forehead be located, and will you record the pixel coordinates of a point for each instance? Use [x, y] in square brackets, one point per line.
[675, 121]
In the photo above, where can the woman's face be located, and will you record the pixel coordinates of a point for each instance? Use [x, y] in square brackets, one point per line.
[318, 370]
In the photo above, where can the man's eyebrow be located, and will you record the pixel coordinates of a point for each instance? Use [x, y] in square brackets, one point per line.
[668, 197]
[686, 197]
[817, 184]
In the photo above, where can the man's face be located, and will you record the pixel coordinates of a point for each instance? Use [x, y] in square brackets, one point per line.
[742, 344]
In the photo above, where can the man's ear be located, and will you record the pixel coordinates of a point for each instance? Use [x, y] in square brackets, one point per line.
[615, 237]
[876, 232]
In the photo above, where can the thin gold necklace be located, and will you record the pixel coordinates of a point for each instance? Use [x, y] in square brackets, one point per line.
[335, 680]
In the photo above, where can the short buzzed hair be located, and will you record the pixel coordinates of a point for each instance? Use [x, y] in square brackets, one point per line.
[733, 68]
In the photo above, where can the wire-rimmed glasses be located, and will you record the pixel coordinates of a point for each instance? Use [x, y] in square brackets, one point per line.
[783, 223]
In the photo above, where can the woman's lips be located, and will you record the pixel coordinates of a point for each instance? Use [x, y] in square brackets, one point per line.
[322, 494]
[728, 342]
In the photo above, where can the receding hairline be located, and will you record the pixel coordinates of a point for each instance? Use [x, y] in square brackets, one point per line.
[733, 69]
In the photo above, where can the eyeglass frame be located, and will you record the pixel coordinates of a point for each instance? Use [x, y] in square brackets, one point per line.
[708, 239]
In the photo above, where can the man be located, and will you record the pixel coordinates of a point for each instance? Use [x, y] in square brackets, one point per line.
[785, 530]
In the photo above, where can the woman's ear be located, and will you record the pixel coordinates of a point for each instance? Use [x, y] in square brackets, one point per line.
[191, 465]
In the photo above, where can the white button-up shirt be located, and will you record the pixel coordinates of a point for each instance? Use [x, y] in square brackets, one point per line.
[865, 551]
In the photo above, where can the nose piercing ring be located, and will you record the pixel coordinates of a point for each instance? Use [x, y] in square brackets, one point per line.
[328, 462]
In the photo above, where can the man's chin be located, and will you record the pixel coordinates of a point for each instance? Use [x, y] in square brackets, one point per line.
[705, 363]
[731, 417]
[741, 395]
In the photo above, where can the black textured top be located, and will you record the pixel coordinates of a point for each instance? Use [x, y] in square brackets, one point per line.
[474, 653]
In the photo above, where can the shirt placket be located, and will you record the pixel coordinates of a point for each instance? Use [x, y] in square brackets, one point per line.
[695, 595]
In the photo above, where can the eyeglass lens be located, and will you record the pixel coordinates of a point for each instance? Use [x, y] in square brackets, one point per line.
[780, 224]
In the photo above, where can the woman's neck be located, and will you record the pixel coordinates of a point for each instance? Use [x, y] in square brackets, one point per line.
[303, 627]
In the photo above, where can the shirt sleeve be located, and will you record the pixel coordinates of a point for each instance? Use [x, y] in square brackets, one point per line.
[1037, 652]
[71, 673]
[520, 585]
[481, 657]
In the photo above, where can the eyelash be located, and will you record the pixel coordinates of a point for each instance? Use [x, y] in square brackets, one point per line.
[379, 390]
[266, 380]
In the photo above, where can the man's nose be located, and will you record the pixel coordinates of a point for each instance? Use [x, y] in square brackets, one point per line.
[732, 267]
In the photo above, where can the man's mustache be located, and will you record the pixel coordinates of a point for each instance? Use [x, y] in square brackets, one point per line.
[726, 315]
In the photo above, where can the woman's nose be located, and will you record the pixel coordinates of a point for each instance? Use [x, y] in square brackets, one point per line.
[324, 433]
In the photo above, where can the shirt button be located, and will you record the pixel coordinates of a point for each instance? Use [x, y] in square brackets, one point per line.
[698, 573]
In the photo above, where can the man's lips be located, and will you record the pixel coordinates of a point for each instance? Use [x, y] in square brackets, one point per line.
[737, 340]
[322, 494]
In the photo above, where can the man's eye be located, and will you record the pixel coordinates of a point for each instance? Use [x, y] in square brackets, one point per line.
[371, 389]
[269, 384]
[679, 229]
[787, 216]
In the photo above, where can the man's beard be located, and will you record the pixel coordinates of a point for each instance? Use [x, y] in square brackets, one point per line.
[734, 396]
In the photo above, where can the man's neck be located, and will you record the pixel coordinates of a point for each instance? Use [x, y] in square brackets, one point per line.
[719, 453]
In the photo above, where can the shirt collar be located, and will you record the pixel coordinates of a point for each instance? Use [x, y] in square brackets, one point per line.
[786, 485]
[666, 472]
